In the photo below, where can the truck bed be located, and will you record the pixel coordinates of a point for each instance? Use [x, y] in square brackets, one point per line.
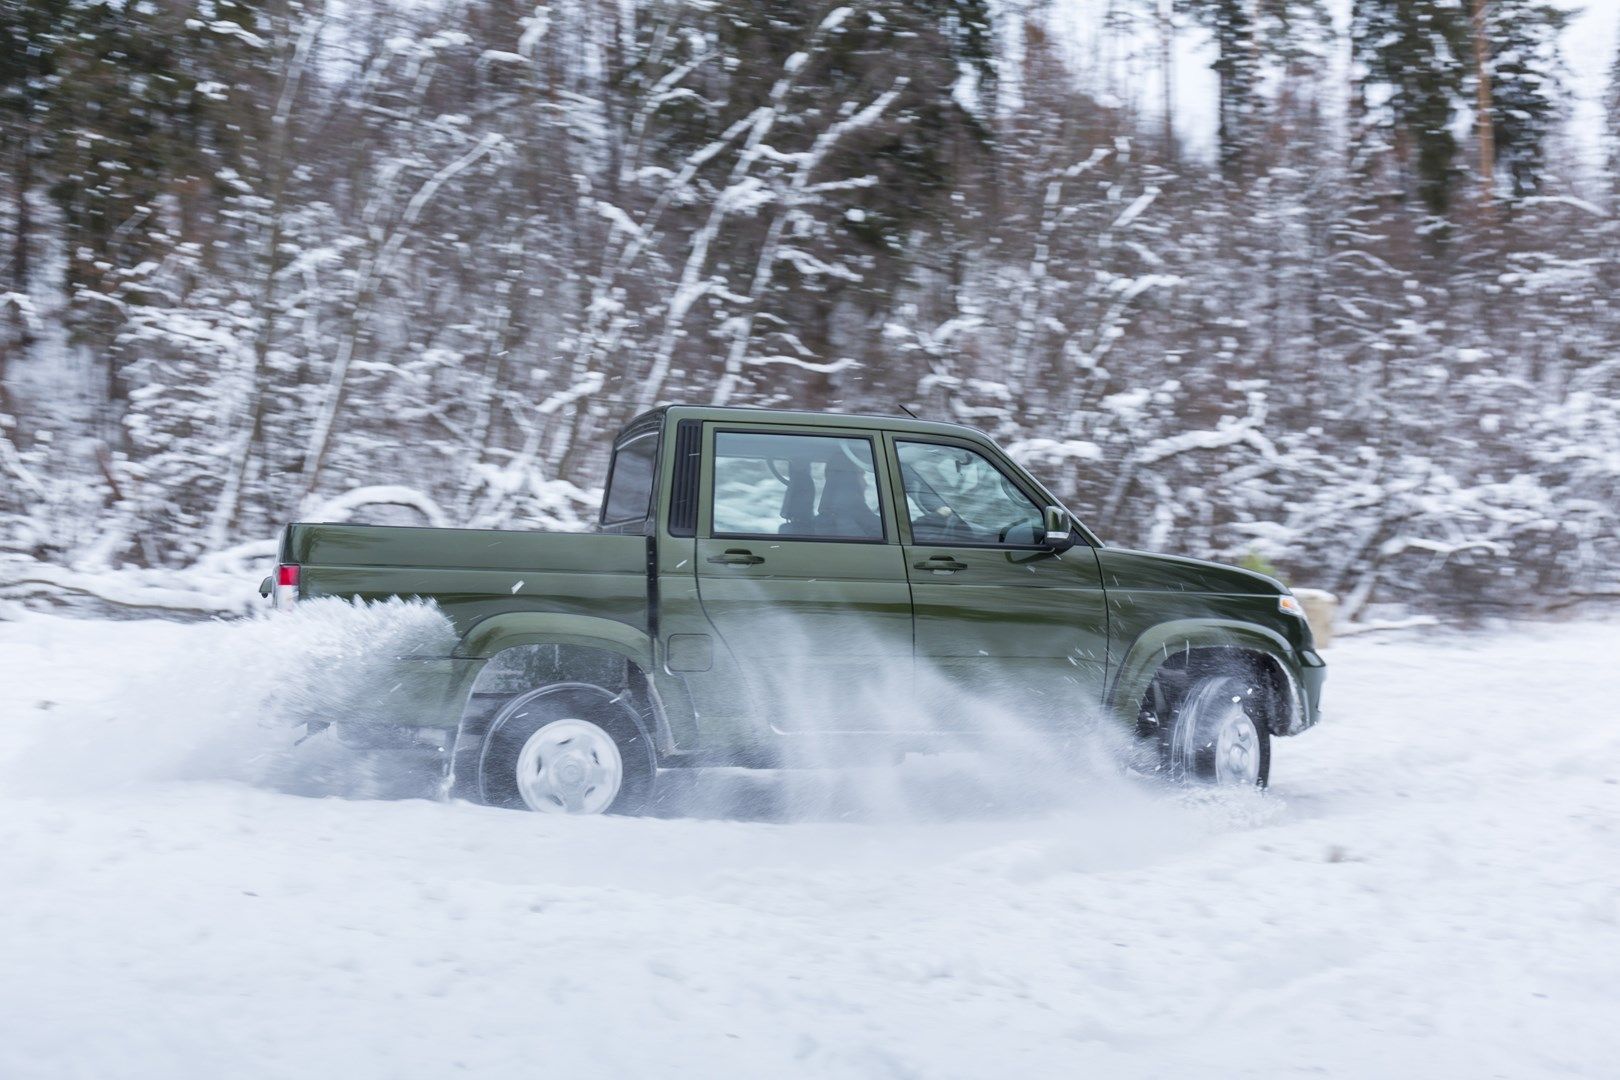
[475, 573]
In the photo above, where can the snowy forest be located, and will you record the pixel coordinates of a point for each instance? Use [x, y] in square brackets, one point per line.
[271, 259]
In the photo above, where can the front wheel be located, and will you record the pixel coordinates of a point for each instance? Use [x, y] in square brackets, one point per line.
[567, 754]
[1218, 735]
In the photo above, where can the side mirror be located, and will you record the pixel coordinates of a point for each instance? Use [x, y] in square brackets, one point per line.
[1059, 535]
[265, 586]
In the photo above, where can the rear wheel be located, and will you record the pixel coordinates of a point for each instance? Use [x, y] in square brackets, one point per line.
[568, 751]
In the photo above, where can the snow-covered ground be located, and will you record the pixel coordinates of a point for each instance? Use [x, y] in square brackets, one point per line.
[1431, 889]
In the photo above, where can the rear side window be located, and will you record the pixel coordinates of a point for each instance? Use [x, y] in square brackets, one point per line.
[810, 487]
[630, 481]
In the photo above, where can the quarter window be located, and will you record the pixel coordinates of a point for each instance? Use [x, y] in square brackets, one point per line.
[958, 496]
[813, 487]
[630, 481]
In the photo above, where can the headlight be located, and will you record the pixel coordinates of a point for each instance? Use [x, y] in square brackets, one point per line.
[1288, 605]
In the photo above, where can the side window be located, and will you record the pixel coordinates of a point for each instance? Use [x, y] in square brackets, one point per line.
[630, 481]
[957, 496]
[812, 487]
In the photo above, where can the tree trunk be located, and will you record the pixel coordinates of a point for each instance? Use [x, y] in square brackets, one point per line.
[1167, 72]
[20, 335]
[25, 225]
[227, 514]
[1482, 105]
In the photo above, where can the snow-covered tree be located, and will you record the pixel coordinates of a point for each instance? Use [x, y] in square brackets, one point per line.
[263, 256]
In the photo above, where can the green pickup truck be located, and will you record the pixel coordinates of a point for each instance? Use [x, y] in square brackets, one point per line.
[777, 589]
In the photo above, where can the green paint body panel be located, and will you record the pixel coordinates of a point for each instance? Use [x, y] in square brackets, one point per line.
[750, 645]
[1160, 604]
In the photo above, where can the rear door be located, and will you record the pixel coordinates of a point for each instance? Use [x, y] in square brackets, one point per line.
[801, 574]
[1002, 623]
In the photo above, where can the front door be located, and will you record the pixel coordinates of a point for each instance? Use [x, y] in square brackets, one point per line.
[1005, 629]
[801, 575]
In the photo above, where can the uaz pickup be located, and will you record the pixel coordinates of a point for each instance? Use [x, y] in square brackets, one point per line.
[768, 588]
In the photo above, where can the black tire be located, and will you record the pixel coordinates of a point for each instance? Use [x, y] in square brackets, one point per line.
[526, 714]
[1195, 713]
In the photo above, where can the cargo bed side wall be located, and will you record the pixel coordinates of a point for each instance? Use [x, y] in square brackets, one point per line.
[474, 574]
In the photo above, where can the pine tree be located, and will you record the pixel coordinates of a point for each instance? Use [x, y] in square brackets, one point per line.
[144, 143]
[1414, 50]
[1524, 68]
[31, 43]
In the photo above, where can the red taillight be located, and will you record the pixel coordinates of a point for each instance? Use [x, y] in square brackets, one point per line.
[286, 590]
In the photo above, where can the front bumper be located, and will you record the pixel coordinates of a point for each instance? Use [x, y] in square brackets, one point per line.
[1311, 672]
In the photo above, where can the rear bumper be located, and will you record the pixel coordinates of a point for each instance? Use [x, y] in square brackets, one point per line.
[391, 738]
[420, 692]
[408, 714]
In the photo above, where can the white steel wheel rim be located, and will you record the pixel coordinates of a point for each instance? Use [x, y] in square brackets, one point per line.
[569, 767]
[1237, 747]
[1216, 717]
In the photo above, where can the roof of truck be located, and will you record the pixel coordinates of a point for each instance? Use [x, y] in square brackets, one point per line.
[804, 417]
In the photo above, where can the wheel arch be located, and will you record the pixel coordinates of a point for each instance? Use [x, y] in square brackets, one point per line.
[1179, 642]
[497, 633]
[589, 659]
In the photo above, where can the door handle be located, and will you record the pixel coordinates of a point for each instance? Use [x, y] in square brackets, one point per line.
[737, 557]
[941, 564]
